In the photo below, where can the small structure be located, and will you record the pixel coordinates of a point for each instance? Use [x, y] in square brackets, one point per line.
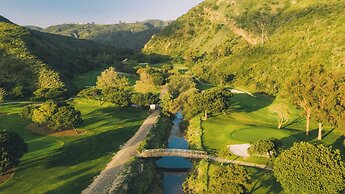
[154, 107]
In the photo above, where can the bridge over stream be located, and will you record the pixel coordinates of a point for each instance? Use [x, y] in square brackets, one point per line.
[194, 154]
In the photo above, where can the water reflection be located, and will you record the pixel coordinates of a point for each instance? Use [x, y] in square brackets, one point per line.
[172, 181]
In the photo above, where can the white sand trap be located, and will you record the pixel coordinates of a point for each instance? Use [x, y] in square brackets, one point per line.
[239, 149]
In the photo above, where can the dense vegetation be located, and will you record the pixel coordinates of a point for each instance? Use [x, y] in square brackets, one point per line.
[255, 44]
[306, 168]
[32, 60]
[123, 35]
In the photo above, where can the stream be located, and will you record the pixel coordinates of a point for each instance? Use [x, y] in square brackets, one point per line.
[175, 169]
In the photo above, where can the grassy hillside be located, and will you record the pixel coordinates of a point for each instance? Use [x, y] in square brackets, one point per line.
[256, 44]
[31, 59]
[123, 35]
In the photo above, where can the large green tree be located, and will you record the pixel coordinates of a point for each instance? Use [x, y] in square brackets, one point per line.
[214, 100]
[119, 97]
[65, 117]
[56, 115]
[308, 168]
[12, 148]
[111, 78]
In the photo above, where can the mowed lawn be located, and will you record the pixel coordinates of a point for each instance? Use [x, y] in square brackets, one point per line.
[68, 164]
[251, 121]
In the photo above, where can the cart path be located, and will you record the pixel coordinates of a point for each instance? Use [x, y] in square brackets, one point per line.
[103, 182]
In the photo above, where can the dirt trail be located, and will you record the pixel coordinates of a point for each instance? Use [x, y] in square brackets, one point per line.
[104, 181]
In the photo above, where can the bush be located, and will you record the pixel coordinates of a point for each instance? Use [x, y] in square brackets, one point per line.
[90, 93]
[50, 93]
[267, 147]
[308, 168]
[27, 111]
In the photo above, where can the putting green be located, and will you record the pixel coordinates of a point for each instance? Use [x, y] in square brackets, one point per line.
[257, 133]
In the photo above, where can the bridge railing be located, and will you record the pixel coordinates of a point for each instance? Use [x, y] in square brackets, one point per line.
[152, 151]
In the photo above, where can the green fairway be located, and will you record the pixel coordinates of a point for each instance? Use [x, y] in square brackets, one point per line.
[89, 79]
[250, 121]
[68, 164]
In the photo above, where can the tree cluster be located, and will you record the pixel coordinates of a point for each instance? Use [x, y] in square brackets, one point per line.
[320, 94]
[56, 115]
[215, 178]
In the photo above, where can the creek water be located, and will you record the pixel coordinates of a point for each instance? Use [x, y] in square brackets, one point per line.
[175, 169]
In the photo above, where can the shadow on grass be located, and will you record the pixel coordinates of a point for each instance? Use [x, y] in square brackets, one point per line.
[247, 103]
[339, 144]
[265, 179]
[90, 148]
[76, 185]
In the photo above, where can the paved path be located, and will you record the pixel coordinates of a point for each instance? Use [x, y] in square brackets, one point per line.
[103, 182]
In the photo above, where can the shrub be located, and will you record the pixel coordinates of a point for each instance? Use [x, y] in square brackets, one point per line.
[270, 147]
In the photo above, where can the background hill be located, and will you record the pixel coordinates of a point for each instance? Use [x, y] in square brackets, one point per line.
[123, 35]
[30, 59]
[254, 44]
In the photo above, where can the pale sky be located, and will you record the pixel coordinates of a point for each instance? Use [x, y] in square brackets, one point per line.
[44, 13]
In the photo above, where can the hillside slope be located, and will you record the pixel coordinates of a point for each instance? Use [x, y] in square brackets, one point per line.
[32, 59]
[123, 35]
[253, 44]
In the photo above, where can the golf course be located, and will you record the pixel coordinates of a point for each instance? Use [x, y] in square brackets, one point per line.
[68, 164]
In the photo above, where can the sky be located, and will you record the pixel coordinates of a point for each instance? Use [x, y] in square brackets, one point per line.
[44, 13]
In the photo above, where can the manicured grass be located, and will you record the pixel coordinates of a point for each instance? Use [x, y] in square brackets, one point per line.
[251, 121]
[68, 164]
[89, 79]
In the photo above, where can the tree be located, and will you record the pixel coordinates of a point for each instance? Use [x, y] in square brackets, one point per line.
[50, 93]
[179, 83]
[2, 94]
[150, 80]
[44, 112]
[299, 91]
[308, 168]
[144, 99]
[281, 112]
[214, 100]
[110, 78]
[12, 148]
[57, 116]
[92, 93]
[328, 97]
[27, 111]
[119, 97]
[230, 178]
[65, 117]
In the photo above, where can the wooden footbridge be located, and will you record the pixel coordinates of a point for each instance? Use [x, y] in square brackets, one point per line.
[194, 154]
